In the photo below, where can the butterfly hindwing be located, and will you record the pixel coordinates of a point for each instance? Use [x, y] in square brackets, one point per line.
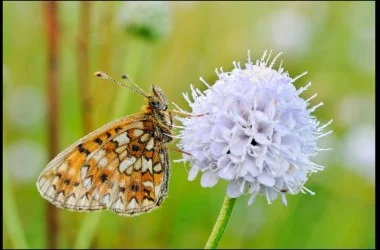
[130, 180]
[62, 183]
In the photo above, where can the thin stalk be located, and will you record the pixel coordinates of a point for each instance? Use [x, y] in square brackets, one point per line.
[221, 223]
[87, 231]
[12, 223]
[83, 65]
[52, 29]
[88, 227]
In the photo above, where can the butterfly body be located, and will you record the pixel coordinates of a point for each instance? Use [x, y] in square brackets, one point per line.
[123, 166]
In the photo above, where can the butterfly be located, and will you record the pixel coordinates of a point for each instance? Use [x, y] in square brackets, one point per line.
[122, 166]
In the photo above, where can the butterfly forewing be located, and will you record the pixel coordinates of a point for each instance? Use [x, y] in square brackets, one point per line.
[121, 167]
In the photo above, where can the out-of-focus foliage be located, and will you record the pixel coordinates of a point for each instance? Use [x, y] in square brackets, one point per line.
[333, 41]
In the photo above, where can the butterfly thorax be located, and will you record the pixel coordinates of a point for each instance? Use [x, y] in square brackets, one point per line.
[158, 109]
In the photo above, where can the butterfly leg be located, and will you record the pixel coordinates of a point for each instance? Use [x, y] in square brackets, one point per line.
[186, 114]
[172, 149]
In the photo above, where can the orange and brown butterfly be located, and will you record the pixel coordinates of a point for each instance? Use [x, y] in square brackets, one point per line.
[123, 166]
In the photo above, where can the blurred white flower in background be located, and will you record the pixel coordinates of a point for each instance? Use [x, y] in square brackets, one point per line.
[148, 20]
[26, 107]
[25, 159]
[256, 132]
[356, 109]
[359, 150]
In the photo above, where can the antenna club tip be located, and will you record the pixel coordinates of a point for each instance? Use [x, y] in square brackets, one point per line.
[124, 76]
[98, 74]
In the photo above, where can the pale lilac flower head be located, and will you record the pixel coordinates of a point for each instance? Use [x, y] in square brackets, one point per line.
[256, 132]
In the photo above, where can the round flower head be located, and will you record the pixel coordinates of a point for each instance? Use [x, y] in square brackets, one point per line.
[252, 129]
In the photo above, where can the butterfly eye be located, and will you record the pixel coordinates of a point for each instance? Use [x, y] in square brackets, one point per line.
[155, 104]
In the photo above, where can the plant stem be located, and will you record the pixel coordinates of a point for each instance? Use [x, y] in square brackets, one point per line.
[51, 16]
[12, 223]
[83, 65]
[87, 231]
[221, 223]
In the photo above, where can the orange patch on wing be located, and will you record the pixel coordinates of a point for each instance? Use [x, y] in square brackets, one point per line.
[156, 157]
[148, 126]
[148, 154]
[135, 187]
[157, 179]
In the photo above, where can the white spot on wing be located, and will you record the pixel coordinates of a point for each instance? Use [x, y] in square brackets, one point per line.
[129, 170]
[133, 204]
[99, 155]
[123, 155]
[122, 139]
[146, 165]
[126, 163]
[118, 205]
[150, 144]
[138, 132]
[162, 157]
[63, 167]
[121, 149]
[157, 190]
[71, 201]
[87, 183]
[157, 167]
[147, 203]
[106, 199]
[137, 165]
[83, 171]
[139, 125]
[103, 162]
[145, 137]
[148, 184]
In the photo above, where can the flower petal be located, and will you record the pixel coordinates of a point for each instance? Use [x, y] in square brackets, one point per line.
[266, 179]
[233, 189]
[209, 179]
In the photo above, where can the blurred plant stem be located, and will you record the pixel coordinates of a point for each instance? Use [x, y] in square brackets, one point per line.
[12, 223]
[83, 64]
[52, 26]
[88, 226]
[221, 223]
[87, 231]
[137, 50]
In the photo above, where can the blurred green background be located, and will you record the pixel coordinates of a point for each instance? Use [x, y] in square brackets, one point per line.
[172, 44]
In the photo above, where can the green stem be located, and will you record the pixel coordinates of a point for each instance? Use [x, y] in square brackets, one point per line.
[87, 231]
[12, 223]
[221, 223]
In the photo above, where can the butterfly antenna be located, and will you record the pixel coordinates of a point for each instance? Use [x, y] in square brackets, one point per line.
[107, 77]
[126, 77]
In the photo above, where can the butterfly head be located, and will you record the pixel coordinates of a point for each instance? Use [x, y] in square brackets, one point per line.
[157, 101]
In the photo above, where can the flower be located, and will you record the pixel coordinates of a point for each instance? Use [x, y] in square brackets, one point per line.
[148, 20]
[254, 130]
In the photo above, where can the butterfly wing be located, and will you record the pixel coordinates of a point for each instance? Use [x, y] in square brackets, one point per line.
[92, 173]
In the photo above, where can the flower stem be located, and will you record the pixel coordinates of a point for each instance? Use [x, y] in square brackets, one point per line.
[52, 29]
[221, 223]
[83, 65]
